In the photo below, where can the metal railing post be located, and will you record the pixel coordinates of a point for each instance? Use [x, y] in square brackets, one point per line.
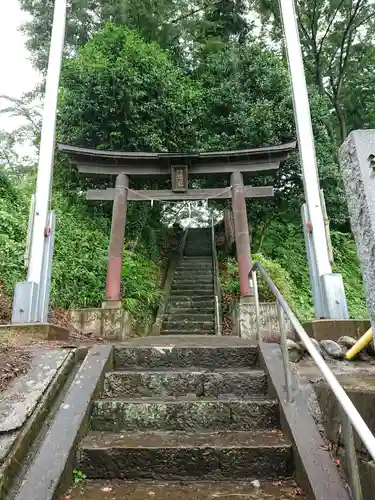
[285, 353]
[257, 305]
[215, 268]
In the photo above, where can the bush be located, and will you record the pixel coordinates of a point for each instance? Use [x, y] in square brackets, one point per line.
[141, 286]
[284, 258]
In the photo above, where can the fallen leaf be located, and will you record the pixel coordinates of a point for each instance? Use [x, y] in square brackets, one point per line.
[106, 488]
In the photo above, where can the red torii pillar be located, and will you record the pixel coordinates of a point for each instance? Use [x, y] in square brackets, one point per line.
[116, 244]
[241, 230]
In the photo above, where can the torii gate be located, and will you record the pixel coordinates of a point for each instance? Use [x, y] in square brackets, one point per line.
[179, 167]
[31, 297]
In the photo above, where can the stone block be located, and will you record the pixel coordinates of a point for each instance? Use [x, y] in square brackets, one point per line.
[367, 476]
[183, 414]
[137, 384]
[244, 320]
[36, 331]
[180, 356]
[108, 323]
[361, 390]
[184, 456]
[245, 325]
[152, 383]
[328, 329]
[357, 166]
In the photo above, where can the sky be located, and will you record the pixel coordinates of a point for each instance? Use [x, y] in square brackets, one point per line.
[16, 72]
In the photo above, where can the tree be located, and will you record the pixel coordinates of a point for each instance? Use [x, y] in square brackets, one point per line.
[122, 93]
[247, 101]
[225, 20]
[152, 18]
[334, 34]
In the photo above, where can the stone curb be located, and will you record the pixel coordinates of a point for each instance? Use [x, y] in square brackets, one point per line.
[13, 462]
[51, 470]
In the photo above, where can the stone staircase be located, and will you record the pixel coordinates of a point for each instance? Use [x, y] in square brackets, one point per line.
[178, 410]
[191, 304]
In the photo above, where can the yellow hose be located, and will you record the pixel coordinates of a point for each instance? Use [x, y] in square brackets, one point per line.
[361, 344]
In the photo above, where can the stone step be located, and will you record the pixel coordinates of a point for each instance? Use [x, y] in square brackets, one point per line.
[206, 261]
[182, 456]
[198, 294]
[205, 271]
[197, 261]
[190, 310]
[189, 316]
[193, 280]
[188, 325]
[194, 302]
[176, 331]
[193, 258]
[192, 287]
[141, 383]
[188, 490]
[185, 351]
[184, 414]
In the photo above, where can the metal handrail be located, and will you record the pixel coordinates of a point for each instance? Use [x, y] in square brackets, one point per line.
[353, 418]
[216, 280]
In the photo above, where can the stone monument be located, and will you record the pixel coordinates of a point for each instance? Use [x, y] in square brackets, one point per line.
[357, 161]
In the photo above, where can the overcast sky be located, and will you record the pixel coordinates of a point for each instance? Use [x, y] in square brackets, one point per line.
[16, 75]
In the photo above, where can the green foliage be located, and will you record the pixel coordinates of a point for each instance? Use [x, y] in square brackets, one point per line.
[13, 223]
[80, 256]
[141, 286]
[284, 258]
[284, 244]
[121, 93]
[346, 263]
[280, 276]
[81, 252]
[78, 476]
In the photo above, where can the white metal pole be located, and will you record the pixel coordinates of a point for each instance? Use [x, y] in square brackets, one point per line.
[305, 136]
[47, 143]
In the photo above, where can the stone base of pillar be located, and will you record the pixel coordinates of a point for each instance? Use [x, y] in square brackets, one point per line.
[108, 323]
[111, 304]
[244, 319]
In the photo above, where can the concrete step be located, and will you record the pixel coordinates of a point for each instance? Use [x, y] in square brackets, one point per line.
[188, 490]
[184, 414]
[189, 316]
[188, 325]
[196, 332]
[182, 456]
[148, 383]
[185, 351]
